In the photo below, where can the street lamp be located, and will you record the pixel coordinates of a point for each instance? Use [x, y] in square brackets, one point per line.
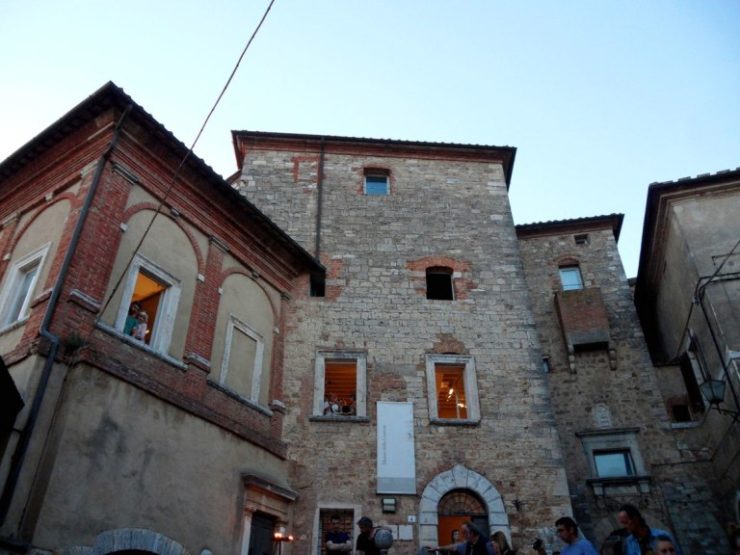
[280, 537]
[714, 392]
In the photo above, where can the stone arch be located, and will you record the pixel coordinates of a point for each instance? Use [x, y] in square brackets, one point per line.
[460, 478]
[129, 540]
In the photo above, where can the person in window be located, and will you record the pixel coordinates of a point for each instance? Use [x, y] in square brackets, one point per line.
[641, 539]
[568, 532]
[131, 320]
[140, 329]
[337, 541]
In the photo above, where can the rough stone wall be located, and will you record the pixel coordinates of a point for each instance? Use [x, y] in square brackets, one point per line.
[596, 396]
[441, 210]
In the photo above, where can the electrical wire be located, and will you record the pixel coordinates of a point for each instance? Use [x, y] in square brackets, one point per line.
[176, 174]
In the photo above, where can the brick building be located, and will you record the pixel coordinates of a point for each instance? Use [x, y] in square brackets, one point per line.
[348, 327]
[170, 443]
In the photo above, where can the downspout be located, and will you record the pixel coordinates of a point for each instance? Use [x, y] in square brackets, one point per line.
[25, 437]
[319, 200]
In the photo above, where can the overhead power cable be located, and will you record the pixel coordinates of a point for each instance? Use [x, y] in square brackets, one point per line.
[176, 174]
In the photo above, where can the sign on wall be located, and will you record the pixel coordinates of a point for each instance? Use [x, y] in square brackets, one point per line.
[396, 467]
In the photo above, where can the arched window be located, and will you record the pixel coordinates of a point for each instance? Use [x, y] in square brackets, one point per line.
[439, 283]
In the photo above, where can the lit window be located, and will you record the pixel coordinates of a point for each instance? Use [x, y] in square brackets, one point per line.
[148, 315]
[20, 285]
[570, 276]
[439, 283]
[340, 384]
[377, 182]
[453, 391]
[613, 463]
[241, 369]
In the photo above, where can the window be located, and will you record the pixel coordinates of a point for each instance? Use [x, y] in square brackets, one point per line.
[570, 276]
[241, 369]
[614, 463]
[581, 239]
[614, 460]
[377, 182]
[340, 389]
[439, 283]
[18, 292]
[452, 388]
[148, 313]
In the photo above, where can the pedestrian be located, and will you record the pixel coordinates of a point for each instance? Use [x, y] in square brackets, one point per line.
[366, 539]
[641, 537]
[501, 545]
[568, 532]
[664, 546]
[337, 541]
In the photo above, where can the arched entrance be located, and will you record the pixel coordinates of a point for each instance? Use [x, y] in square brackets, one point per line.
[476, 489]
[456, 507]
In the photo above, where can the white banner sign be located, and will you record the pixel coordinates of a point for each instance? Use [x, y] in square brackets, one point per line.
[396, 459]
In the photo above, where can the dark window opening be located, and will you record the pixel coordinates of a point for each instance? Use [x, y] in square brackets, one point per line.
[581, 239]
[318, 286]
[439, 284]
[681, 413]
[696, 401]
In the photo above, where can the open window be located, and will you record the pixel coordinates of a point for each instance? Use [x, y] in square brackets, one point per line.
[16, 296]
[439, 283]
[340, 390]
[570, 277]
[377, 182]
[148, 314]
[452, 388]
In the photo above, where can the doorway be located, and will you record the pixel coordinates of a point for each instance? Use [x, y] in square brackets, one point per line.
[261, 534]
[456, 507]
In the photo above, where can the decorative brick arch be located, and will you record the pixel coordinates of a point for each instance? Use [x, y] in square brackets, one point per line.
[460, 478]
[128, 539]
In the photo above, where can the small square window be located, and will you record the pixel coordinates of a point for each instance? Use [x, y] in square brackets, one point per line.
[453, 390]
[611, 464]
[570, 277]
[18, 292]
[376, 185]
[581, 239]
[439, 284]
[148, 314]
[340, 384]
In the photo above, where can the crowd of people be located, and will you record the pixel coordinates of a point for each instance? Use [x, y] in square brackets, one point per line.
[634, 538]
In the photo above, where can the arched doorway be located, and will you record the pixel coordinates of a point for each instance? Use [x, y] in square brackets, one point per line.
[456, 507]
[477, 487]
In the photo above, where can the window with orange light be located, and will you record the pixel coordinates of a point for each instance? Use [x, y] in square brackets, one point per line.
[450, 381]
[452, 389]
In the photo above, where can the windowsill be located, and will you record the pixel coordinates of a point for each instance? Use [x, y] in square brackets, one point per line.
[141, 346]
[234, 395]
[14, 325]
[687, 425]
[338, 418]
[453, 422]
[641, 483]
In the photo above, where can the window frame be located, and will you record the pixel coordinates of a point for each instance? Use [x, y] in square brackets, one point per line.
[471, 388]
[614, 440]
[569, 268]
[627, 457]
[360, 358]
[164, 321]
[10, 295]
[440, 271]
[376, 173]
[256, 386]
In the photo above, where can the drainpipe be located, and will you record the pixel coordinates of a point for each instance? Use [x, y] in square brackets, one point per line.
[319, 200]
[25, 437]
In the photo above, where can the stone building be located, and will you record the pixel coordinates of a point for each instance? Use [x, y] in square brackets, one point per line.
[687, 294]
[170, 443]
[347, 327]
[425, 318]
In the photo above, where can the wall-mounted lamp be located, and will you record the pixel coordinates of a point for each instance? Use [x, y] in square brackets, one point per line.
[714, 392]
[280, 535]
[388, 504]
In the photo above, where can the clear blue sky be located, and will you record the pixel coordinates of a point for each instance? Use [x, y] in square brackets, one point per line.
[600, 98]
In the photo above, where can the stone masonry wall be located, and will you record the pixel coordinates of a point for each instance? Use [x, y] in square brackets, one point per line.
[438, 209]
[598, 397]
